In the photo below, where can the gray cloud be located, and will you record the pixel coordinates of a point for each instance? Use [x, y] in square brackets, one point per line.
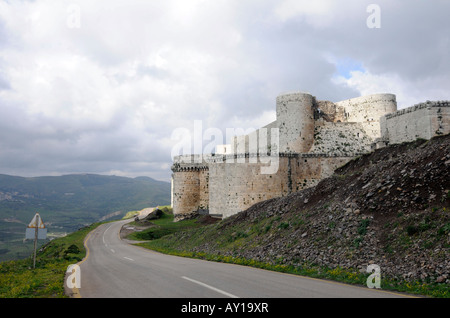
[106, 97]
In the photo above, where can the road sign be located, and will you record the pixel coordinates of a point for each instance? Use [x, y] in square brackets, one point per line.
[30, 234]
[36, 223]
[36, 230]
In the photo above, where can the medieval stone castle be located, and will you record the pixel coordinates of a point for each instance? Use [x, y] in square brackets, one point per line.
[308, 141]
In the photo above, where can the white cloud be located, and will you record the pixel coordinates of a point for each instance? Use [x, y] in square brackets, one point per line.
[406, 91]
[320, 13]
[312, 10]
[105, 96]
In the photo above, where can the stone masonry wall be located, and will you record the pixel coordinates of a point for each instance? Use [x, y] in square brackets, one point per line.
[295, 120]
[203, 176]
[235, 187]
[341, 139]
[186, 192]
[424, 120]
[367, 110]
[315, 137]
[190, 186]
[252, 143]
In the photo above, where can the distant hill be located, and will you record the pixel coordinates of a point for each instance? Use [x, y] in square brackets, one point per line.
[69, 202]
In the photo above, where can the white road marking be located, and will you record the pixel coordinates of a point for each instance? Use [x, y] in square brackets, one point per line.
[113, 251]
[210, 287]
[128, 258]
[103, 237]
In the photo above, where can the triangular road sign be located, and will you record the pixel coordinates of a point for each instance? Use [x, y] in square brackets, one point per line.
[32, 224]
[36, 229]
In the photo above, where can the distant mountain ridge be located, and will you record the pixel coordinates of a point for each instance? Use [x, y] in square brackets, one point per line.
[71, 201]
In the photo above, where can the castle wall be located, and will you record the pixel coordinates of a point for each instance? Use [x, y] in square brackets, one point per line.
[295, 120]
[203, 200]
[252, 143]
[186, 193]
[312, 137]
[367, 110]
[424, 120]
[330, 111]
[235, 187]
[340, 139]
[171, 191]
[190, 185]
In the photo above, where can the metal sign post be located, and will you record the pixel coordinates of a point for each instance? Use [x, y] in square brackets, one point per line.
[36, 229]
[35, 240]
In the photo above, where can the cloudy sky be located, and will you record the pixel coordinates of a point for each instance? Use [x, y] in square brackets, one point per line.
[101, 86]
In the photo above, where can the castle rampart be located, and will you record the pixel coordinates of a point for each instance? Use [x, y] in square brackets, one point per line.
[308, 140]
[235, 187]
[423, 120]
[367, 110]
[295, 121]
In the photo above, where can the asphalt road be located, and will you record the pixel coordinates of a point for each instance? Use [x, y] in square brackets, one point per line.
[113, 268]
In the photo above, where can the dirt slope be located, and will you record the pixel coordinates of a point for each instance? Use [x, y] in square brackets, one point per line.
[389, 208]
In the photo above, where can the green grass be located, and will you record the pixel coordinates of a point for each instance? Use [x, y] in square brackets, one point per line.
[66, 203]
[343, 275]
[162, 227]
[18, 279]
[186, 241]
[130, 214]
[347, 276]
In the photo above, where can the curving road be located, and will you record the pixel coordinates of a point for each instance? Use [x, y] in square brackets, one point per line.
[115, 268]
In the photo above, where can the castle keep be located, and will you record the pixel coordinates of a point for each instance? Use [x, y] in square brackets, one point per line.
[308, 141]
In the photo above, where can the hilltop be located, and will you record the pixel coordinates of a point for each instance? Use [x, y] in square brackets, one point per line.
[69, 202]
[389, 207]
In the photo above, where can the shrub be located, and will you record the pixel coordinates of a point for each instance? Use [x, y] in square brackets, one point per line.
[411, 230]
[283, 225]
[362, 229]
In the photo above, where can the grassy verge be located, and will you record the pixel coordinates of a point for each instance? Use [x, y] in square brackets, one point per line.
[162, 227]
[347, 276]
[182, 240]
[130, 215]
[18, 279]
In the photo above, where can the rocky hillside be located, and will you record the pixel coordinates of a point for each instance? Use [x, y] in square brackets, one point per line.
[390, 208]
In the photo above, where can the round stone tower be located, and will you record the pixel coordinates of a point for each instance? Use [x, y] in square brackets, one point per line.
[295, 120]
[367, 110]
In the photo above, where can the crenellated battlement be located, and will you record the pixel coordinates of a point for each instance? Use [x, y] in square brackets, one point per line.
[419, 106]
